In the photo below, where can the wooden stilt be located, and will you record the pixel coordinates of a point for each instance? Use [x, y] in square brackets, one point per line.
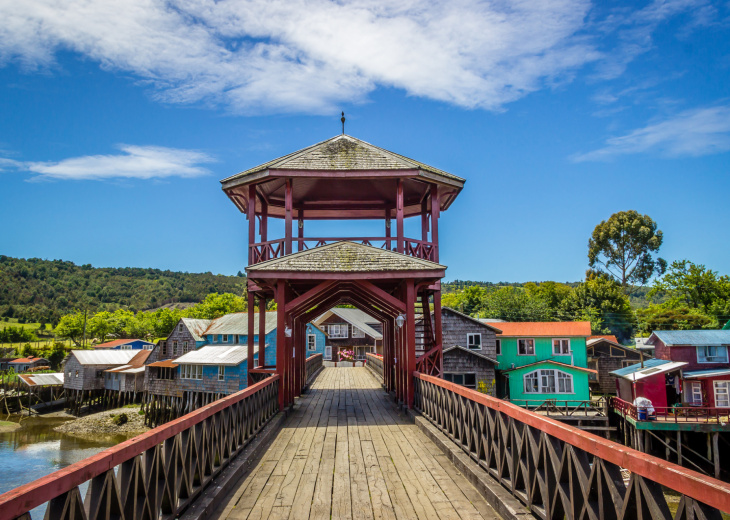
[716, 453]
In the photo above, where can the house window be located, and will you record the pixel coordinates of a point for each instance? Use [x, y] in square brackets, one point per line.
[467, 380]
[174, 348]
[191, 371]
[311, 342]
[337, 330]
[328, 352]
[499, 347]
[526, 347]
[616, 352]
[221, 372]
[474, 341]
[225, 338]
[126, 347]
[561, 347]
[180, 327]
[722, 394]
[236, 339]
[695, 394]
[77, 373]
[164, 348]
[185, 346]
[712, 354]
[548, 382]
[357, 333]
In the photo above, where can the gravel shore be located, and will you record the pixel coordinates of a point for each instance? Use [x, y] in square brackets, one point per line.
[102, 424]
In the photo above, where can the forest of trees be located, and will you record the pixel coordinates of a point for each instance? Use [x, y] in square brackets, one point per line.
[41, 291]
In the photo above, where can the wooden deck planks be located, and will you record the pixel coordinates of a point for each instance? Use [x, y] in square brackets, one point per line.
[346, 452]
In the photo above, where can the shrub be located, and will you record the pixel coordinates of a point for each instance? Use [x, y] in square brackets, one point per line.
[120, 419]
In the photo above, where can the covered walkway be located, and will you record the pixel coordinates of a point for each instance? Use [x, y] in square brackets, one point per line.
[345, 452]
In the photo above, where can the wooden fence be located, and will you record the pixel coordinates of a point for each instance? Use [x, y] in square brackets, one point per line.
[559, 471]
[312, 365]
[156, 474]
[375, 363]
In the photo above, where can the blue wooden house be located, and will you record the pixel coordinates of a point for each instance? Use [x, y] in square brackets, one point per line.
[125, 344]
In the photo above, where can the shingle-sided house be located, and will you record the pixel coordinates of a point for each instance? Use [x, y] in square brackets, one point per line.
[705, 378]
[469, 350]
[126, 344]
[543, 360]
[350, 329]
[605, 354]
[129, 378]
[214, 369]
[26, 363]
[84, 369]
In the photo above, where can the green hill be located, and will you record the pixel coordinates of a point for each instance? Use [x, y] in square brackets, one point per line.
[41, 291]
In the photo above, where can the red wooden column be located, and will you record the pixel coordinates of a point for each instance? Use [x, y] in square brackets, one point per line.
[249, 337]
[264, 225]
[399, 216]
[424, 219]
[300, 231]
[437, 330]
[251, 215]
[262, 331]
[281, 361]
[435, 212]
[288, 218]
[387, 230]
[410, 342]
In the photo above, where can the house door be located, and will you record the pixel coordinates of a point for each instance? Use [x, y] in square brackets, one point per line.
[328, 352]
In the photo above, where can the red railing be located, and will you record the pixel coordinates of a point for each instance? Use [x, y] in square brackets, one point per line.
[262, 251]
[559, 471]
[676, 414]
[156, 474]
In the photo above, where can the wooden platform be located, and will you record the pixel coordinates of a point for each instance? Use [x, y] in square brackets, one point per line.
[345, 452]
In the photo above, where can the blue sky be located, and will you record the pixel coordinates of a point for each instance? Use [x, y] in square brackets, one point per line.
[118, 124]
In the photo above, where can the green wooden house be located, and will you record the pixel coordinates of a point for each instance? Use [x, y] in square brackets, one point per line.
[538, 361]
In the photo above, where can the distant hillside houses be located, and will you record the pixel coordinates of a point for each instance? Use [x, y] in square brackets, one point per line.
[125, 344]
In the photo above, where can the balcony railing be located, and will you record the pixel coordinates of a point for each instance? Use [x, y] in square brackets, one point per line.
[558, 471]
[271, 249]
[675, 414]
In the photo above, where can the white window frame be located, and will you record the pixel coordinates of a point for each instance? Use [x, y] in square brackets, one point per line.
[548, 381]
[526, 353]
[311, 342]
[498, 347]
[221, 372]
[695, 392]
[191, 371]
[469, 336]
[357, 333]
[225, 338]
[560, 346]
[714, 359]
[331, 328]
[174, 348]
[722, 390]
[185, 347]
[328, 352]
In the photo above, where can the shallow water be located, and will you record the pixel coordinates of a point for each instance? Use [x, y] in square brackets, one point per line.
[35, 451]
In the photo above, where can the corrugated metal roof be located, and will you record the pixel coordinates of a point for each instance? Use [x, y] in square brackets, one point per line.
[104, 357]
[545, 328]
[356, 317]
[213, 355]
[196, 327]
[237, 323]
[651, 367]
[53, 379]
[708, 338]
[710, 372]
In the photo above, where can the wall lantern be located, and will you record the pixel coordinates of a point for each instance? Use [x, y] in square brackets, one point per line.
[400, 320]
[287, 332]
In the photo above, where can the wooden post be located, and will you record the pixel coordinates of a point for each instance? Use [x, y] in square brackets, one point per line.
[262, 331]
[716, 453]
[410, 343]
[679, 447]
[399, 216]
[288, 217]
[435, 212]
[250, 338]
[387, 230]
[251, 214]
[424, 219]
[300, 231]
[264, 225]
[281, 364]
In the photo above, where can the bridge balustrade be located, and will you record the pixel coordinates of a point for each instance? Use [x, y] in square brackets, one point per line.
[157, 474]
[676, 414]
[375, 363]
[559, 471]
[312, 365]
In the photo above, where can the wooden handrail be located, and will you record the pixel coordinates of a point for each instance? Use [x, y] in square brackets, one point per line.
[712, 492]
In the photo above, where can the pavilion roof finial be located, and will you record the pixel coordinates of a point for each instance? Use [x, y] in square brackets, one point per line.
[343, 123]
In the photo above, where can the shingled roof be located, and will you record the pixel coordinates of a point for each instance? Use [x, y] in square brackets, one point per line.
[343, 152]
[346, 257]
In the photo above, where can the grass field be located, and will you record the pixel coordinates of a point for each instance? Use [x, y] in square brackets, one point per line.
[13, 322]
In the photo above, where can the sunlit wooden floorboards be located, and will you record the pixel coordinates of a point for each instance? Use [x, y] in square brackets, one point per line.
[345, 452]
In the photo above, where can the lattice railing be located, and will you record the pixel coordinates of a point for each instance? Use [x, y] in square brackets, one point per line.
[558, 471]
[375, 363]
[156, 474]
[312, 365]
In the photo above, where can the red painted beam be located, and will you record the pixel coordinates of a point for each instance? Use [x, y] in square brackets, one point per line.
[258, 274]
[707, 490]
[29, 496]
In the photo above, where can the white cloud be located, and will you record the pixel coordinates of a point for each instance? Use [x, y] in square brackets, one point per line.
[695, 132]
[310, 55]
[136, 162]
